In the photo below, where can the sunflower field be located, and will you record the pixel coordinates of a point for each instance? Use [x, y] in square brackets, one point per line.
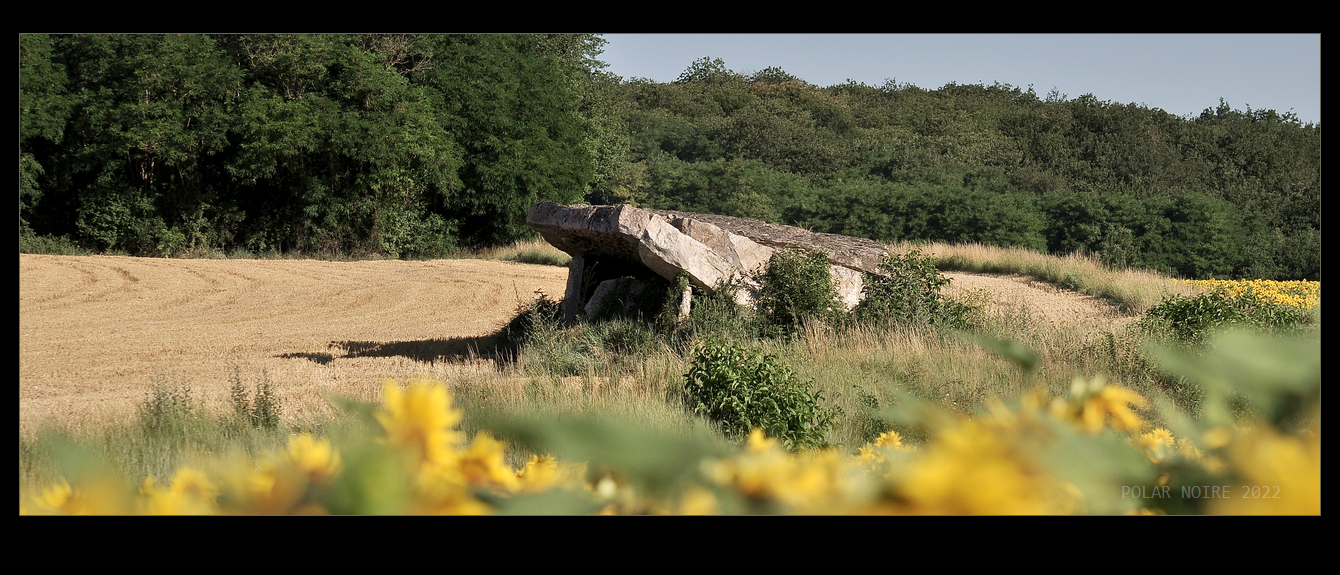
[1301, 294]
[1092, 452]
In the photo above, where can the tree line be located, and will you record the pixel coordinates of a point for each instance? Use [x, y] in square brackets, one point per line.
[414, 146]
[399, 145]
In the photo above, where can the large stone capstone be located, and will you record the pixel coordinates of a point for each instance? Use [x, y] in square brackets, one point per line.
[712, 250]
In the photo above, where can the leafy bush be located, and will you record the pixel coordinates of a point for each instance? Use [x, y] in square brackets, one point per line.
[31, 243]
[742, 390]
[549, 347]
[715, 314]
[908, 292]
[532, 319]
[1190, 319]
[797, 287]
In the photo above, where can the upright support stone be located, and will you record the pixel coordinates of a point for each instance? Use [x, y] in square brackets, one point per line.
[576, 268]
[685, 302]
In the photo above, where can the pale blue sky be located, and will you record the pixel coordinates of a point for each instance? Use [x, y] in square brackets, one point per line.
[1180, 73]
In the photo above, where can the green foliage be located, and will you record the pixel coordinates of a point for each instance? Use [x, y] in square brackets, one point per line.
[994, 164]
[908, 293]
[537, 338]
[532, 322]
[43, 111]
[1279, 376]
[1192, 319]
[411, 145]
[517, 120]
[31, 243]
[795, 288]
[716, 314]
[390, 145]
[262, 410]
[168, 409]
[866, 420]
[741, 390]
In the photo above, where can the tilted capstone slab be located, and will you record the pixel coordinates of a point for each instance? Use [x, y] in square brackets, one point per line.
[712, 250]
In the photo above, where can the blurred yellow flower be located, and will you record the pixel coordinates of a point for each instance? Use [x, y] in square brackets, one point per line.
[271, 486]
[1157, 444]
[101, 494]
[1112, 401]
[698, 501]
[59, 498]
[314, 457]
[868, 455]
[190, 493]
[973, 469]
[1281, 475]
[421, 419]
[545, 472]
[482, 463]
[760, 443]
[890, 440]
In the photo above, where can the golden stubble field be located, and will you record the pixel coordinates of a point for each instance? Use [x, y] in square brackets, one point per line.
[95, 332]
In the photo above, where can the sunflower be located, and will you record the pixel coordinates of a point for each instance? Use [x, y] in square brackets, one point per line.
[421, 419]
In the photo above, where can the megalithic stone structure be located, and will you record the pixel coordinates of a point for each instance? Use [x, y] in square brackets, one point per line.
[712, 250]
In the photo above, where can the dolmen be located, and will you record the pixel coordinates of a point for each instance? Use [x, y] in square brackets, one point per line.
[615, 248]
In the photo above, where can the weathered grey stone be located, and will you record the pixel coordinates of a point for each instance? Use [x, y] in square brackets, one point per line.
[634, 295]
[685, 302]
[855, 253]
[627, 290]
[668, 251]
[573, 293]
[716, 239]
[598, 298]
[849, 285]
[596, 230]
[751, 255]
[713, 250]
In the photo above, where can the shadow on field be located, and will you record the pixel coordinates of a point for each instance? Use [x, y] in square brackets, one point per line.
[425, 350]
[321, 358]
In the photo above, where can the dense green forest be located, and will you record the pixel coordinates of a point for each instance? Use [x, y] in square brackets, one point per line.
[415, 146]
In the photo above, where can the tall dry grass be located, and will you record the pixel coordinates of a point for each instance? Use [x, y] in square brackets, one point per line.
[1133, 291]
[536, 251]
[863, 370]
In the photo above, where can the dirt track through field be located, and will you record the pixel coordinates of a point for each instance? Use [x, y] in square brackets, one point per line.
[95, 332]
[1024, 295]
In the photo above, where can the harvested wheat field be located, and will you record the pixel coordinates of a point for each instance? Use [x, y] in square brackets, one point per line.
[95, 332]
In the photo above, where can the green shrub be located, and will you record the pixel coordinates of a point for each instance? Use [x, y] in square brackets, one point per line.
[1191, 319]
[31, 243]
[797, 287]
[168, 409]
[908, 292]
[262, 410]
[549, 347]
[715, 314]
[532, 321]
[741, 390]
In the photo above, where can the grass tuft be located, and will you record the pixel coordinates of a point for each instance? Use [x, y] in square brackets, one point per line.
[535, 251]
